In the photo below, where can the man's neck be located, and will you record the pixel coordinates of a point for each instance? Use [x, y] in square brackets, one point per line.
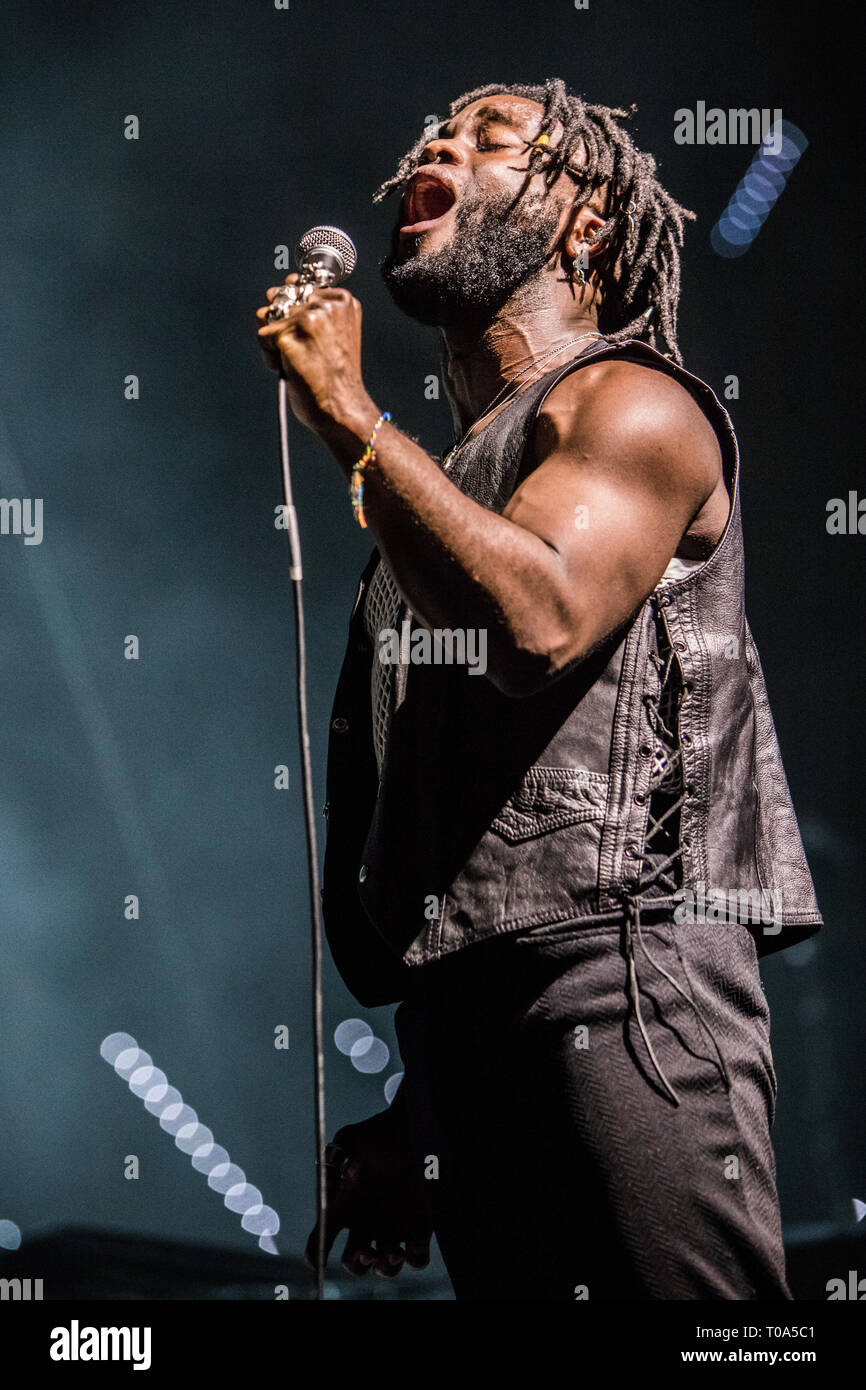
[480, 360]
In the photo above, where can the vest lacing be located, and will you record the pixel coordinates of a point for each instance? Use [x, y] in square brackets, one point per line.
[662, 848]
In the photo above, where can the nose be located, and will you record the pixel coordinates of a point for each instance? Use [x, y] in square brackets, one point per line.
[442, 152]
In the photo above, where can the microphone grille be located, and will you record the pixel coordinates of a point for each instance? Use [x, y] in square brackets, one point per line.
[334, 240]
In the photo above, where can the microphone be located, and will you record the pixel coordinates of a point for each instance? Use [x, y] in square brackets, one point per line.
[324, 256]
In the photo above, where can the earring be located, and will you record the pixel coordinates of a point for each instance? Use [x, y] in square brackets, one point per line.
[578, 275]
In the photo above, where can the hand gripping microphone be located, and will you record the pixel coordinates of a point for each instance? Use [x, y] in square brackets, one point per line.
[324, 256]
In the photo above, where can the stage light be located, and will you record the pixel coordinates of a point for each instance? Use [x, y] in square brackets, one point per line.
[175, 1117]
[144, 1080]
[262, 1222]
[757, 191]
[10, 1235]
[190, 1136]
[207, 1156]
[349, 1032]
[129, 1060]
[369, 1055]
[392, 1085]
[160, 1097]
[226, 1176]
[243, 1197]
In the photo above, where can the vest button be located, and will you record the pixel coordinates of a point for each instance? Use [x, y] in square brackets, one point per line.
[639, 798]
[646, 749]
[339, 725]
[685, 738]
[679, 646]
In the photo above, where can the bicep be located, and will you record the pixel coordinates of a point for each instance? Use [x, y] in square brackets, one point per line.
[613, 510]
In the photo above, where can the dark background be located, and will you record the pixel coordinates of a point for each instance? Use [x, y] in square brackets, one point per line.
[155, 777]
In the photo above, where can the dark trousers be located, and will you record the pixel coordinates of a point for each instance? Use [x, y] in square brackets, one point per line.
[565, 1170]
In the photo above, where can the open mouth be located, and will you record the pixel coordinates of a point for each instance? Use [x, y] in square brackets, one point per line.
[427, 200]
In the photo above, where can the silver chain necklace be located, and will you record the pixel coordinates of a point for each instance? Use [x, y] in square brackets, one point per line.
[535, 363]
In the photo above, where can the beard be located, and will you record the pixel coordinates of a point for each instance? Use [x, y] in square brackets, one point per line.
[496, 248]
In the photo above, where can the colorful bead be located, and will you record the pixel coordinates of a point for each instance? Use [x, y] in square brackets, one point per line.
[356, 486]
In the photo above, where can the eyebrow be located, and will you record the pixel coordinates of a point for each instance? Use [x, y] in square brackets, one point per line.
[492, 114]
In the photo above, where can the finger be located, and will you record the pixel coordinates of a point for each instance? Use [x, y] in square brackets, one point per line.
[300, 317]
[390, 1258]
[312, 1247]
[273, 290]
[270, 333]
[271, 354]
[280, 289]
[295, 311]
[263, 312]
[321, 292]
[277, 289]
[358, 1256]
[333, 1226]
[271, 330]
[418, 1251]
[268, 323]
[316, 299]
[335, 1221]
[330, 292]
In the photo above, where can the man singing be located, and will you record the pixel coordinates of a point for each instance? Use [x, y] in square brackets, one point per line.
[564, 866]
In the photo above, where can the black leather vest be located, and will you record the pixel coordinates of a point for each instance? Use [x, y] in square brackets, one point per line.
[499, 814]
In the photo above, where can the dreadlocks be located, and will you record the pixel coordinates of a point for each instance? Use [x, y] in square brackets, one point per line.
[639, 269]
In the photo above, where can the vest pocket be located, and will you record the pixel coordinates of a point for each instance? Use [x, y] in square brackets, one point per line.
[549, 798]
[537, 862]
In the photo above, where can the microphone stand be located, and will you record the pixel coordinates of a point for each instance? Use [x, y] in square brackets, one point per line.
[296, 574]
[325, 256]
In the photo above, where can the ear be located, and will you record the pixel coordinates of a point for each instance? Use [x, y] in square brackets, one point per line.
[582, 232]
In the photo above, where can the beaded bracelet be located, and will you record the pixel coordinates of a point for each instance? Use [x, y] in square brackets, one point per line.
[356, 487]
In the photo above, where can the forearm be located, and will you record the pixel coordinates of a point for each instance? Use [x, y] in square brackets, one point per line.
[458, 564]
